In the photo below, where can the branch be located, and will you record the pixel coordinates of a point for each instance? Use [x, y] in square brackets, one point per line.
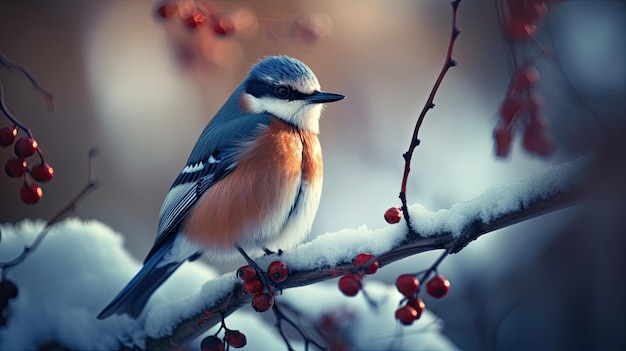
[430, 103]
[322, 259]
[8, 64]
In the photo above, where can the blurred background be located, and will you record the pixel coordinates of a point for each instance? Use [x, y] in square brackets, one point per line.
[140, 88]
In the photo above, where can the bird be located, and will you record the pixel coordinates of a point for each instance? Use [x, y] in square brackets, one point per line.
[252, 182]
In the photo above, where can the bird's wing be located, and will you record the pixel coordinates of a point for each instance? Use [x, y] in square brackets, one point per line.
[215, 154]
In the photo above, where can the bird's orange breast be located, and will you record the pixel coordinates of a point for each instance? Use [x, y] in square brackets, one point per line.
[252, 202]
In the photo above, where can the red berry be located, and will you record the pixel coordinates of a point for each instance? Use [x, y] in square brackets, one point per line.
[406, 315]
[525, 77]
[327, 323]
[42, 172]
[509, 109]
[25, 147]
[7, 135]
[8, 289]
[349, 284]
[278, 271]
[438, 287]
[262, 302]
[407, 284]
[194, 20]
[418, 305]
[393, 215]
[363, 258]
[503, 138]
[235, 338]
[518, 30]
[252, 286]
[166, 9]
[537, 142]
[246, 273]
[15, 167]
[30, 193]
[223, 26]
[212, 343]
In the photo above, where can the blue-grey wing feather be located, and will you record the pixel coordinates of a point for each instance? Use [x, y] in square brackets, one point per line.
[212, 158]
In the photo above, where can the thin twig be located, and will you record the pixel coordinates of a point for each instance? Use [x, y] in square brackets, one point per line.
[8, 64]
[70, 207]
[449, 62]
[10, 116]
[43, 91]
[280, 316]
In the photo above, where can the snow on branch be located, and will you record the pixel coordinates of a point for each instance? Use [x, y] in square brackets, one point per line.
[331, 255]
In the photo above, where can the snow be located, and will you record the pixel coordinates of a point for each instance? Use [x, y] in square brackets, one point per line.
[369, 328]
[497, 200]
[75, 270]
[81, 265]
[71, 276]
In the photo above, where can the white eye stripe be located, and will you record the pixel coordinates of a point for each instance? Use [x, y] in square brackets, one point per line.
[300, 113]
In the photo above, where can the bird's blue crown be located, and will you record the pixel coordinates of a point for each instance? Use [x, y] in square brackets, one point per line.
[283, 70]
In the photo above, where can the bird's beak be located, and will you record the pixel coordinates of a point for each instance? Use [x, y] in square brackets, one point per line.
[319, 97]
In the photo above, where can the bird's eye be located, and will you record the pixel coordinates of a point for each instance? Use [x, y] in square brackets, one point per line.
[282, 91]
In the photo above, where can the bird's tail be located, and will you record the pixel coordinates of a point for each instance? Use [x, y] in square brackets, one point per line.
[133, 298]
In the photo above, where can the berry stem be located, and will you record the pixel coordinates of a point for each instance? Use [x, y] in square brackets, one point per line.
[4, 61]
[433, 268]
[10, 116]
[448, 62]
[43, 91]
[263, 276]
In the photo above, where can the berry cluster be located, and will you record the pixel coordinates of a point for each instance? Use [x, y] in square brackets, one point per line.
[196, 16]
[521, 107]
[264, 294]
[523, 15]
[8, 291]
[409, 286]
[17, 166]
[350, 284]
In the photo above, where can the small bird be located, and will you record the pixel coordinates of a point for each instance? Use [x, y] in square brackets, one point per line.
[252, 182]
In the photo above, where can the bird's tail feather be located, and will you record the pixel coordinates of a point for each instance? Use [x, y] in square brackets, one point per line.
[133, 298]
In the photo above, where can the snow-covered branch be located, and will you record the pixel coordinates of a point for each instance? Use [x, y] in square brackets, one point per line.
[81, 264]
[331, 255]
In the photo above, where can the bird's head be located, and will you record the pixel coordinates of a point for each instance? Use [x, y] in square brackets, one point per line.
[287, 89]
